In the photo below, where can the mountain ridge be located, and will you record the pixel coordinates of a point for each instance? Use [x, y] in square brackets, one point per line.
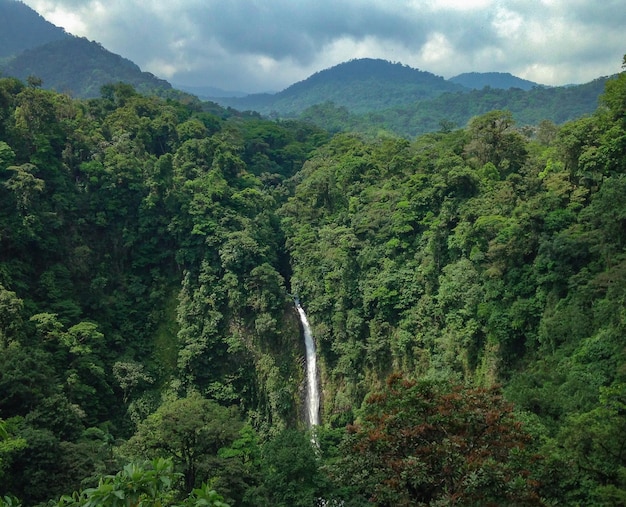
[81, 67]
[362, 85]
[501, 80]
[385, 96]
[23, 28]
[32, 46]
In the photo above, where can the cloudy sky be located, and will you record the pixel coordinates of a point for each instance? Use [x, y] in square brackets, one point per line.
[266, 45]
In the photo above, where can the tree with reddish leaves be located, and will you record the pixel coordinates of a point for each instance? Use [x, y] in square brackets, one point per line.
[431, 443]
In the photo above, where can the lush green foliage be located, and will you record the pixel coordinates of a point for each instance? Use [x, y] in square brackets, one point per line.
[141, 254]
[150, 484]
[191, 430]
[484, 255]
[147, 251]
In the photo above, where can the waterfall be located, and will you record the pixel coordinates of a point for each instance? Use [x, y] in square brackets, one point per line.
[312, 392]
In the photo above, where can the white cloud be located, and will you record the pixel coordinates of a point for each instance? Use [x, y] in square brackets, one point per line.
[437, 49]
[61, 16]
[269, 44]
[460, 5]
[508, 23]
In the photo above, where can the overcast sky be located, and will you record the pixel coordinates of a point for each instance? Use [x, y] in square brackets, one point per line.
[266, 45]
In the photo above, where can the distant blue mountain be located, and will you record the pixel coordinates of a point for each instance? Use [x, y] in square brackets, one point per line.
[500, 80]
[208, 92]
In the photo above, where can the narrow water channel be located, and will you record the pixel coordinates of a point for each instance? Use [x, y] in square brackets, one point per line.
[312, 388]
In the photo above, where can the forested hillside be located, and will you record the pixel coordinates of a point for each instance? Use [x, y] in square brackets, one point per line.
[22, 28]
[453, 110]
[376, 97]
[80, 67]
[360, 85]
[466, 290]
[141, 255]
[504, 80]
[31, 47]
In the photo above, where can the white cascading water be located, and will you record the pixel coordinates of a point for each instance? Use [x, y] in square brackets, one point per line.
[312, 392]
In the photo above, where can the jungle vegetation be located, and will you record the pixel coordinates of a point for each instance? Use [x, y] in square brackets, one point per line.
[466, 289]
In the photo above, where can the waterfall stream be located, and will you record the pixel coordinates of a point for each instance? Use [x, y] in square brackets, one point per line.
[312, 392]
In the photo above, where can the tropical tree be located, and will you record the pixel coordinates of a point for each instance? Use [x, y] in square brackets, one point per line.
[9, 444]
[493, 139]
[190, 431]
[433, 443]
[290, 467]
[148, 484]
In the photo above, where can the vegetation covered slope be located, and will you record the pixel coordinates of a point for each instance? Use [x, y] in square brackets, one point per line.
[485, 256]
[31, 47]
[360, 85]
[376, 96]
[148, 249]
[453, 110]
[504, 80]
[81, 67]
[22, 28]
[140, 254]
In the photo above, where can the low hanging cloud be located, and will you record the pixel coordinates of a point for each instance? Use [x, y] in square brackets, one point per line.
[260, 45]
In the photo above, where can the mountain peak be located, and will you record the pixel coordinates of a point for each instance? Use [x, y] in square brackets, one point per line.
[361, 69]
[361, 85]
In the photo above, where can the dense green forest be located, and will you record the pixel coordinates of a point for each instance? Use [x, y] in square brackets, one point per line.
[452, 110]
[466, 290]
[377, 97]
